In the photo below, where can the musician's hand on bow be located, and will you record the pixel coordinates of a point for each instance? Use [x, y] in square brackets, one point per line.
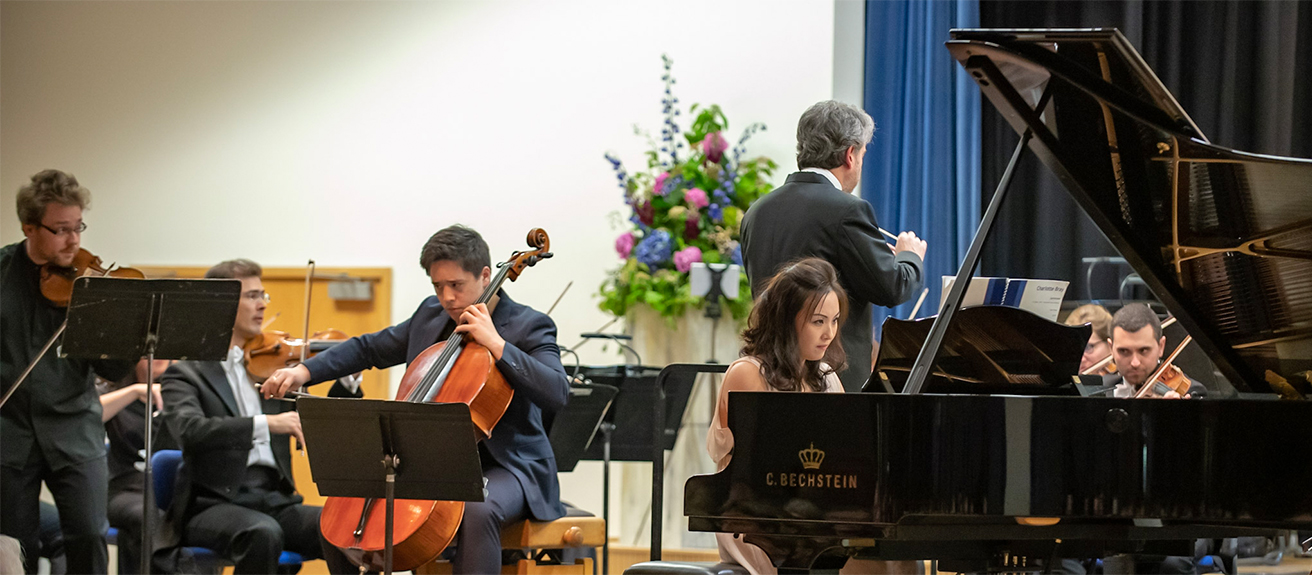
[908, 242]
[285, 380]
[1173, 394]
[476, 323]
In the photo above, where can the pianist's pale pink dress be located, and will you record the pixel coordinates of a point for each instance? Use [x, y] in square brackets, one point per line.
[719, 443]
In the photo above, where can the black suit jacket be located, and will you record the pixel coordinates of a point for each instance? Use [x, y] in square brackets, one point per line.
[809, 217]
[530, 364]
[57, 410]
[203, 417]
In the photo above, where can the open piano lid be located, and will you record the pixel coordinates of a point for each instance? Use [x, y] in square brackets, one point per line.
[1222, 237]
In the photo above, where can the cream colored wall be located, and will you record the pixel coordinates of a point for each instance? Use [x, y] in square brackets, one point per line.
[348, 132]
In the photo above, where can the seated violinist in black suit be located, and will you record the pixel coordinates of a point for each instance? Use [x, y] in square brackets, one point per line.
[235, 493]
[518, 463]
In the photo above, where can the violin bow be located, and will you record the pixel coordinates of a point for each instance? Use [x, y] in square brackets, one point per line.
[1147, 385]
[309, 276]
[1106, 360]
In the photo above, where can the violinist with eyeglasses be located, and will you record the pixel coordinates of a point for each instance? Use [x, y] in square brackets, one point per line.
[51, 424]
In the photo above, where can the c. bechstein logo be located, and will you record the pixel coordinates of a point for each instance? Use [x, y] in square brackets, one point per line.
[811, 457]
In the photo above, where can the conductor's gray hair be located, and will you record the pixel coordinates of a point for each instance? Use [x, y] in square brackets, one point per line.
[827, 129]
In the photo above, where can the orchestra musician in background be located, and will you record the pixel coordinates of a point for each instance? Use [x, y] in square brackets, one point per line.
[517, 460]
[790, 344]
[815, 214]
[1138, 346]
[124, 404]
[235, 493]
[1100, 340]
[51, 425]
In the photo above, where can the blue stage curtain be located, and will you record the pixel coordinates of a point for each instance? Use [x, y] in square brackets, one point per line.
[922, 170]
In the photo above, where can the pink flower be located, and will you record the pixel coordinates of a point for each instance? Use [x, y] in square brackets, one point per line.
[696, 197]
[684, 258]
[624, 245]
[714, 146]
[659, 187]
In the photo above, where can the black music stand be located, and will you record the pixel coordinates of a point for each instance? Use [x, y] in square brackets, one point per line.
[128, 319]
[673, 386]
[389, 449]
[572, 432]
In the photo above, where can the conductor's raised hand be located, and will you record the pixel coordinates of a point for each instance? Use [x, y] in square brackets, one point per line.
[476, 323]
[908, 242]
[285, 380]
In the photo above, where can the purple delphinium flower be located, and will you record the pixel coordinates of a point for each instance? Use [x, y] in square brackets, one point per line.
[714, 146]
[685, 257]
[715, 212]
[654, 249]
[696, 197]
[624, 245]
[620, 174]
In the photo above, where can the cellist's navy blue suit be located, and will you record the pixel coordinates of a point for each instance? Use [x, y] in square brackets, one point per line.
[522, 478]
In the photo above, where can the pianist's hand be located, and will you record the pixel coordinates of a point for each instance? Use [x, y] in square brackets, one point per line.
[285, 380]
[908, 242]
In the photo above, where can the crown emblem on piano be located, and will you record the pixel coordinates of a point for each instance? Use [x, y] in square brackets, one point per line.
[811, 457]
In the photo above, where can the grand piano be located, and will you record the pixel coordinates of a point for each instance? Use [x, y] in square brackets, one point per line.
[979, 452]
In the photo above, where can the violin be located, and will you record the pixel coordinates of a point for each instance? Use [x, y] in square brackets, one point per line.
[456, 370]
[57, 281]
[274, 350]
[1167, 377]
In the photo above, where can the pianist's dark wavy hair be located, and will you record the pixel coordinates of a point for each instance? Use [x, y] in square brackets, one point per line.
[771, 334]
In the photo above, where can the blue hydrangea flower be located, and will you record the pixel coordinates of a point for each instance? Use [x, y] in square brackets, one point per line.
[716, 212]
[654, 250]
[737, 256]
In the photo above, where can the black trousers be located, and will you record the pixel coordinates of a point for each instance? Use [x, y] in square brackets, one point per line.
[478, 542]
[80, 492]
[257, 525]
[125, 515]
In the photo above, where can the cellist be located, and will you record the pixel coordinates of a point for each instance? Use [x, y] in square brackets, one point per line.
[51, 424]
[517, 459]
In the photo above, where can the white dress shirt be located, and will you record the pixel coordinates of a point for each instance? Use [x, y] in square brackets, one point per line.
[828, 176]
[248, 403]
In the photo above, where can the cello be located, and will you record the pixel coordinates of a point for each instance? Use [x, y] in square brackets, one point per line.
[455, 370]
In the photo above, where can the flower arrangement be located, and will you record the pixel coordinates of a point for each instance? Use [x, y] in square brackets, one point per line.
[683, 209]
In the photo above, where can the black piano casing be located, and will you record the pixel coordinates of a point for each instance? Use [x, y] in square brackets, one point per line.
[904, 459]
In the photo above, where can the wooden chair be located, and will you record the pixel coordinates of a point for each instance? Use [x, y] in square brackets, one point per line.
[537, 547]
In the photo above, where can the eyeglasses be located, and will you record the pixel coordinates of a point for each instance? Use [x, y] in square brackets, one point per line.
[257, 296]
[81, 227]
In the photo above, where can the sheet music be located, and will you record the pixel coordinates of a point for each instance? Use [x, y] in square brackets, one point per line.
[1040, 297]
